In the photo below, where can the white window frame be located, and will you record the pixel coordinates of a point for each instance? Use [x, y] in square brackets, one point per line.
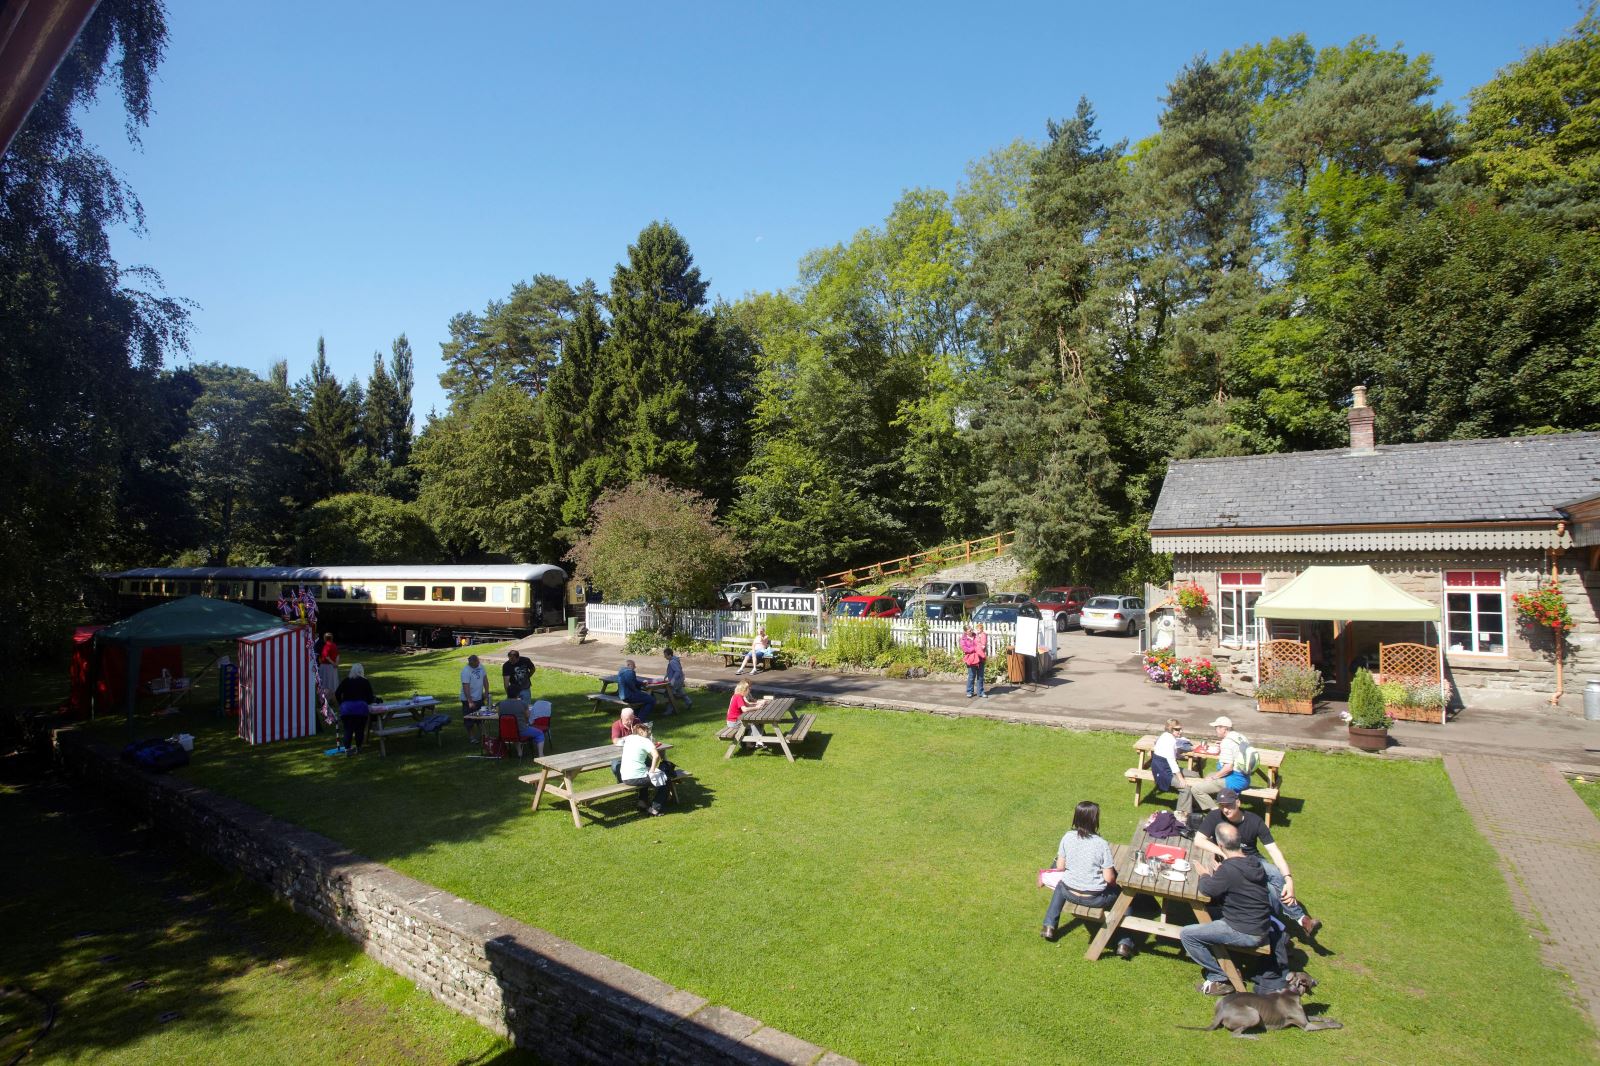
[1237, 599]
[1476, 612]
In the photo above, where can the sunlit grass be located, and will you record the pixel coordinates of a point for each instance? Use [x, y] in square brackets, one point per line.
[877, 897]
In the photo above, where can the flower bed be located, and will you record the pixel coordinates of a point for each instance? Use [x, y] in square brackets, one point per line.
[1158, 665]
[1198, 677]
[1290, 690]
[1413, 701]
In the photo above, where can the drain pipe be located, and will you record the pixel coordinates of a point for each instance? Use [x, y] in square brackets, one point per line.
[1561, 636]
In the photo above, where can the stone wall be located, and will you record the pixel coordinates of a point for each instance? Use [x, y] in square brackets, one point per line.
[1528, 665]
[568, 1004]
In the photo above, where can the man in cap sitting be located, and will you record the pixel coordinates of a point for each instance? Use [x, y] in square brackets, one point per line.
[1238, 886]
[1254, 835]
[1233, 771]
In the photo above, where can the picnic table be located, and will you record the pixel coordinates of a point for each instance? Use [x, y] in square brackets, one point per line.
[569, 765]
[1270, 769]
[397, 718]
[1166, 891]
[608, 681]
[787, 727]
[476, 720]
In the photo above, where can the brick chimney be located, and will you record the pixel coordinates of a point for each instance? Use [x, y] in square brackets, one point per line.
[1362, 421]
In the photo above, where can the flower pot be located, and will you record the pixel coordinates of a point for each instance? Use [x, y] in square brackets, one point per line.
[1376, 739]
[1285, 706]
[1431, 715]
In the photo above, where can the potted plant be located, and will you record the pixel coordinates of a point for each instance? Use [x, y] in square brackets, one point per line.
[1158, 665]
[1191, 597]
[1290, 690]
[1369, 722]
[1415, 701]
[1199, 677]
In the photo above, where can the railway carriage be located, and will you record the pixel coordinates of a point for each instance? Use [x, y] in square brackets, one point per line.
[395, 604]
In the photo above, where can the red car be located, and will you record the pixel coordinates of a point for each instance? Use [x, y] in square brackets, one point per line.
[1065, 602]
[867, 607]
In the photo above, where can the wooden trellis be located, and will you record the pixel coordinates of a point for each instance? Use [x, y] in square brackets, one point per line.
[1414, 663]
[1272, 654]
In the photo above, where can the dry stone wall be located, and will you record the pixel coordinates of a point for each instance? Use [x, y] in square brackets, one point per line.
[568, 1004]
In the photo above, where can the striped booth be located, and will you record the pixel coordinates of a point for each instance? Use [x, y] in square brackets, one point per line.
[277, 686]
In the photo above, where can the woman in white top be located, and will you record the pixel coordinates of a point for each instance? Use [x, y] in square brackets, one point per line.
[1169, 777]
[640, 756]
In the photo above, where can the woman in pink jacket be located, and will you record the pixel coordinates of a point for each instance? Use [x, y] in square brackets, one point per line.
[975, 653]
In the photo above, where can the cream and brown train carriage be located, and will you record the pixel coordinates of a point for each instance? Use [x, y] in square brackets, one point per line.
[395, 604]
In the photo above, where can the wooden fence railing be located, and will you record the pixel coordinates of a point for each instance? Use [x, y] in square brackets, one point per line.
[992, 546]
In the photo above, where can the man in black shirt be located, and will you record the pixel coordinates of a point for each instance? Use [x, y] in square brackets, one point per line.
[517, 673]
[1254, 835]
[1239, 886]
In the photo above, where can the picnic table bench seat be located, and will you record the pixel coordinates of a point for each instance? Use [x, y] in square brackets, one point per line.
[614, 701]
[397, 730]
[615, 788]
[1270, 770]
[798, 733]
[730, 731]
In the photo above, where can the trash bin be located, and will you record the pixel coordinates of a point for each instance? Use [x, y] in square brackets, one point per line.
[1591, 700]
[572, 625]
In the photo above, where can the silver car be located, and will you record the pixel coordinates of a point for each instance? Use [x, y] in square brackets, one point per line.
[739, 595]
[1113, 614]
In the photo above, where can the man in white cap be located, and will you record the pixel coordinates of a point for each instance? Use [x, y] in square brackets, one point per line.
[1234, 766]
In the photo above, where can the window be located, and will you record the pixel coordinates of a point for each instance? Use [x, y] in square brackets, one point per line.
[474, 593]
[359, 592]
[497, 594]
[1236, 607]
[392, 592]
[516, 593]
[416, 592]
[444, 594]
[334, 592]
[1475, 611]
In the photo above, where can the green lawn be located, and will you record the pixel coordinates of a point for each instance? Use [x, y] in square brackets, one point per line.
[1590, 792]
[87, 909]
[878, 898]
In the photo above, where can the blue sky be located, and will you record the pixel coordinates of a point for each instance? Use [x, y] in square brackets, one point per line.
[359, 170]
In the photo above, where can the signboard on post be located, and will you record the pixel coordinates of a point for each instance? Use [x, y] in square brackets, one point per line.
[803, 604]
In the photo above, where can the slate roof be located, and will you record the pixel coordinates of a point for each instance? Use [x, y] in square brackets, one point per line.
[1497, 480]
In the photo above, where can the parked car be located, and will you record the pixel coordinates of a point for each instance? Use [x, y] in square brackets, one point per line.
[901, 594]
[1006, 613]
[867, 607]
[1064, 603]
[936, 609]
[972, 594]
[1010, 597]
[1113, 614]
[738, 596]
[789, 589]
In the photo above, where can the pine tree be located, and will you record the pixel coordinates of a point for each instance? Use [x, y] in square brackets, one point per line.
[332, 428]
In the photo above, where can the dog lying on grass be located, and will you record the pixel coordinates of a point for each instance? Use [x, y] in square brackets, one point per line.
[1238, 1011]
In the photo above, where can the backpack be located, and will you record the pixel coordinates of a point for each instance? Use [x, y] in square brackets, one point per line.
[1161, 771]
[155, 756]
[1249, 757]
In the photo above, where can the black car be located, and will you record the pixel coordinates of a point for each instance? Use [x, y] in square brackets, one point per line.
[1004, 613]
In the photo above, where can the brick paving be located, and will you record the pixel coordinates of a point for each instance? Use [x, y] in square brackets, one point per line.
[1549, 846]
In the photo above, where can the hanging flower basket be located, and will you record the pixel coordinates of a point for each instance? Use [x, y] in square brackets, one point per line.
[1546, 607]
[1191, 597]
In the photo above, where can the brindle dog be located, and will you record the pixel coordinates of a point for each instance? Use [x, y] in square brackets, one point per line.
[1238, 1011]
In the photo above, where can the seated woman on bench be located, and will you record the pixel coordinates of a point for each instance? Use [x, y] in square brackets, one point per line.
[640, 756]
[1090, 879]
[760, 648]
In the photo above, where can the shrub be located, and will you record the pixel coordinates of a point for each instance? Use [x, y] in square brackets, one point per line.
[643, 641]
[1291, 683]
[1366, 703]
[1393, 693]
[897, 670]
[1428, 697]
[860, 642]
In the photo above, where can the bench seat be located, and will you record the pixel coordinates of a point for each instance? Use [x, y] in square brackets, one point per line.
[613, 701]
[729, 731]
[1267, 796]
[410, 729]
[798, 733]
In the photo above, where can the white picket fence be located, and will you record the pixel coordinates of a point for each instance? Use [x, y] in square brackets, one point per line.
[714, 626]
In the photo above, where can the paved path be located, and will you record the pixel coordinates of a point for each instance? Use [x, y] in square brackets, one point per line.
[1549, 845]
[1099, 685]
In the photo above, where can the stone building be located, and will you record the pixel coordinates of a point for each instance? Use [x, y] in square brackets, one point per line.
[1462, 524]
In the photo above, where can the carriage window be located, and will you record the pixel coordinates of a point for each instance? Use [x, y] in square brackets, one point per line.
[474, 593]
[334, 592]
[392, 592]
[416, 592]
[360, 592]
[443, 593]
[497, 594]
[516, 593]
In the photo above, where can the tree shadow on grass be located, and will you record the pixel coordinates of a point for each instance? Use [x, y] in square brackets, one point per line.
[140, 947]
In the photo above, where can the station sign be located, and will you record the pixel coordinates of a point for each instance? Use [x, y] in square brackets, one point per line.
[788, 603]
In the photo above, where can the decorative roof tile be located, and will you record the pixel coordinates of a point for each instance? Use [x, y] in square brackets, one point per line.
[1496, 480]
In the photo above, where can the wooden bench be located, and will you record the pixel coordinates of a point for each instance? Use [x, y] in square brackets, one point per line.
[616, 788]
[731, 731]
[734, 649]
[1139, 775]
[397, 730]
[801, 728]
[613, 701]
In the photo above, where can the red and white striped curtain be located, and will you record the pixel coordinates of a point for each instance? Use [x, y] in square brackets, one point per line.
[277, 686]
